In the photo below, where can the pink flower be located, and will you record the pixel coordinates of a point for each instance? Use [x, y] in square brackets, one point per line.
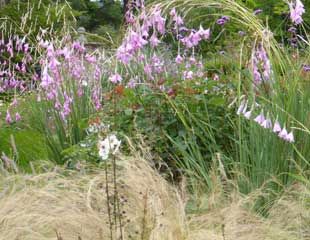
[148, 69]
[205, 34]
[192, 60]
[9, 48]
[26, 47]
[17, 117]
[192, 39]
[8, 118]
[47, 80]
[199, 74]
[179, 59]
[276, 127]
[154, 41]
[123, 54]
[136, 40]
[195, 38]
[283, 134]
[66, 106]
[178, 20]
[115, 78]
[257, 11]
[78, 46]
[64, 52]
[267, 123]
[131, 84]
[43, 44]
[188, 74]
[221, 21]
[216, 77]
[248, 114]
[50, 50]
[90, 59]
[242, 108]
[173, 12]
[159, 21]
[260, 118]
[290, 137]
[53, 63]
[14, 102]
[260, 63]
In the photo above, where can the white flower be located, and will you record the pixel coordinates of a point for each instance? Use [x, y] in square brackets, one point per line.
[109, 145]
[243, 107]
[260, 118]
[277, 127]
[84, 83]
[92, 129]
[290, 137]
[248, 114]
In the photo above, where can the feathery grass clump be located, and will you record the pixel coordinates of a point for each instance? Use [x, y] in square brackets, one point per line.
[73, 205]
[63, 204]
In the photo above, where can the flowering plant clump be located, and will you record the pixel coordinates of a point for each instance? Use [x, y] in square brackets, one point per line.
[16, 72]
[158, 82]
[70, 62]
[15, 64]
[142, 48]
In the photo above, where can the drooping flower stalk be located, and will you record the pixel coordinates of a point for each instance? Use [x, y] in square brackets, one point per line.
[265, 122]
[261, 66]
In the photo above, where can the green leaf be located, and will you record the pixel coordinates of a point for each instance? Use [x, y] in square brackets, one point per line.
[128, 112]
[217, 101]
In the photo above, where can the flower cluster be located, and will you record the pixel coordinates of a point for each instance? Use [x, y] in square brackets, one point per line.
[296, 11]
[261, 66]
[194, 37]
[194, 68]
[65, 67]
[177, 19]
[146, 30]
[139, 35]
[11, 69]
[15, 68]
[265, 122]
[131, 7]
[110, 145]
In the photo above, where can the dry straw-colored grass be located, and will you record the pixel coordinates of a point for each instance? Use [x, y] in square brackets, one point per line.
[73, 205]
[289, 219]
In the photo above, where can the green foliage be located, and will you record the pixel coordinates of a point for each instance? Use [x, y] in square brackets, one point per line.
[60, 134]
[27, 17]
[194, 126]
[95, 15]
[86, 151]
[30, 145]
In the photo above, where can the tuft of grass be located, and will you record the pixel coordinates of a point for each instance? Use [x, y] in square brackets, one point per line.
[72, 205]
